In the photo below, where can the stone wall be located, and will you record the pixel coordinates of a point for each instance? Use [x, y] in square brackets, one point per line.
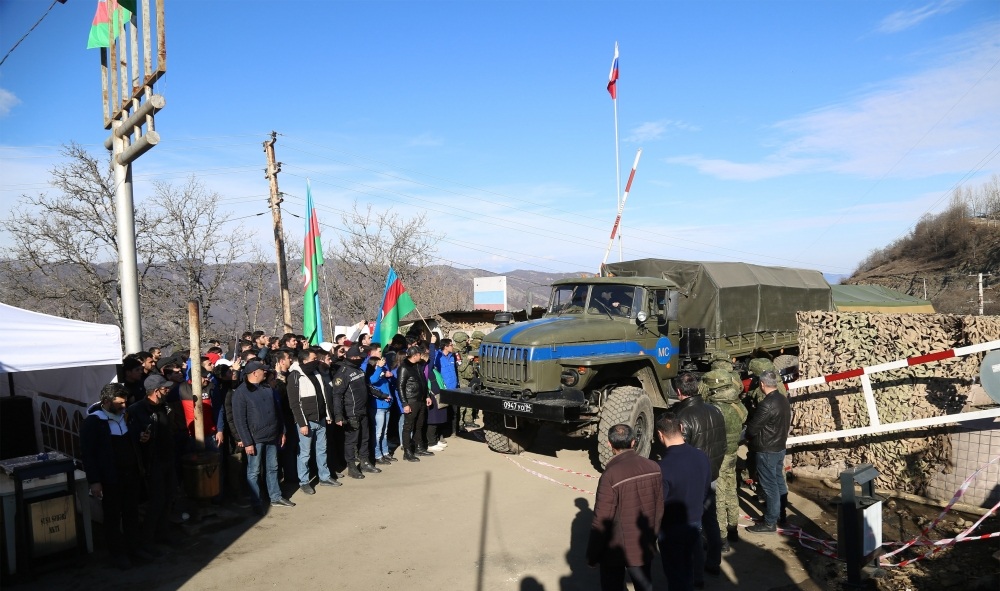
[908, 461]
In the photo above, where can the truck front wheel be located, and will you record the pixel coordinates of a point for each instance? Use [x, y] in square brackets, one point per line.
[630, 406]
[508, 441]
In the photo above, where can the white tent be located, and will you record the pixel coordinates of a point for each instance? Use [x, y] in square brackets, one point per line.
[61, 364]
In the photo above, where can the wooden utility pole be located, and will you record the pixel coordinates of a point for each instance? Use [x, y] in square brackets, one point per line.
[271, 174]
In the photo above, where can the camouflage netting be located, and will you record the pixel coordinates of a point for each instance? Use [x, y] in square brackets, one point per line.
[832, 342]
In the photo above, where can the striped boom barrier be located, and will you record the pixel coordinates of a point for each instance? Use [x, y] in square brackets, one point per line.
[874, 424]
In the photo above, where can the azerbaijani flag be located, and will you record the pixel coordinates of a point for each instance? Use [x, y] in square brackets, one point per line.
[613, 76]
[102, 27]
[396, 303]
[312, 258]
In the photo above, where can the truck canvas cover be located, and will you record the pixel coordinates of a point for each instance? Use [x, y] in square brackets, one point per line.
[730, 299]
[876, 298]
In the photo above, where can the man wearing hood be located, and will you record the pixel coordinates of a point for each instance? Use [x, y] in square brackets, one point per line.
[724, 395]
[350, 408]
[111, 461]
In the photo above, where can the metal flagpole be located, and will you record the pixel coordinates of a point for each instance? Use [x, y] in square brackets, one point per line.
[618, 167]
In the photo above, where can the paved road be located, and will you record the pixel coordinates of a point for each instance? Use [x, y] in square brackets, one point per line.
[466, 519]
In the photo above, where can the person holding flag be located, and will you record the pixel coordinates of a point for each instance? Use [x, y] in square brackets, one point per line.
[396, 304]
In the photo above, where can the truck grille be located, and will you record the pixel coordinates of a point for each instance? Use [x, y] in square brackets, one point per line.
[503, 364]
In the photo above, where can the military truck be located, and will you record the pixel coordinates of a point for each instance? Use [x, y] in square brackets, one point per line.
[606, 349]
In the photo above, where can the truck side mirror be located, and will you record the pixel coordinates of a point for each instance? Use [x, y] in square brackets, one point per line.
[673, 301]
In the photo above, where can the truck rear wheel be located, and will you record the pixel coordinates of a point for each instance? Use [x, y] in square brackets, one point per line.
[630, 406]
[508, 441]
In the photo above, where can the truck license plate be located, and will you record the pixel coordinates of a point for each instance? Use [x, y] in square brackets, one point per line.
[512, 406]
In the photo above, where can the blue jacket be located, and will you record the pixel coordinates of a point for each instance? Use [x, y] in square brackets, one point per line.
[448, 368]
[257, 414]
[384, 385]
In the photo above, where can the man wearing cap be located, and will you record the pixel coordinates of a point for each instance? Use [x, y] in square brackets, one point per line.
[150, 417]
[351, 393]
[258, 421]
[724, 395]
[767, 434]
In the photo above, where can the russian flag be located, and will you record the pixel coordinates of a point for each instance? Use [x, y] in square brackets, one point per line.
[613, 76]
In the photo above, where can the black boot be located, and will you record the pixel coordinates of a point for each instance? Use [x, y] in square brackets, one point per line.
[367, 466]
[409, 457]
[732, 534]
[782, 512]
[353, 471]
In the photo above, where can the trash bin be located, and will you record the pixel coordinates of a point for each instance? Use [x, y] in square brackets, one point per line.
[201, 474]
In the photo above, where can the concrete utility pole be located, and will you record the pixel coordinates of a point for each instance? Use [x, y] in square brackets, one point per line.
[271, 174]
[129, 105]
[980, 292]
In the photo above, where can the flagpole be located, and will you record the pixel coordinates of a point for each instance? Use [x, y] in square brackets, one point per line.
[613, 86]
[618, 177]
[419, 313]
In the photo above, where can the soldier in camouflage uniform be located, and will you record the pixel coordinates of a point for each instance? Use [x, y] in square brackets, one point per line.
[720, 359]
[725, 395]
[467, 371]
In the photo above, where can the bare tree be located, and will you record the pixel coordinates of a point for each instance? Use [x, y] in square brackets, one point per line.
[65, 254]
[370, 243]
[198, 249]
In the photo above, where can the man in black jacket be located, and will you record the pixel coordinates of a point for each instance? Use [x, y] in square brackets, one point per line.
[415, 397]
[704, 427]
[350, 405]
[151, 417]
[767, 434]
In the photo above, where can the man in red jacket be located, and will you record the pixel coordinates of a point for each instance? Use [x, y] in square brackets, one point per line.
[627, 515]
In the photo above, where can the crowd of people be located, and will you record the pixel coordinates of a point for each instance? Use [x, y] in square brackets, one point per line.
[277, 412]
[679, 505]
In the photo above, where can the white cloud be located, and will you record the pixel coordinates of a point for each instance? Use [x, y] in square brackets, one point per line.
[905, 19]
[654, 130]
[7, 102]
[944, 119]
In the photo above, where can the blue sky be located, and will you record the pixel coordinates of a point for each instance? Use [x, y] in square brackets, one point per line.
[784, 133]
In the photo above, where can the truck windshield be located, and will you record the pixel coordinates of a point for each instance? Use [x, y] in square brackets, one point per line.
[606, 300]
[568, 299]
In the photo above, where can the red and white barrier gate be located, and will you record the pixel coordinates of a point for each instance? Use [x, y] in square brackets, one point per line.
[875, 425]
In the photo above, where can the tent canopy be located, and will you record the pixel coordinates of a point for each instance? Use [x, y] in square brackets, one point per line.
[876, 298]
[33, 341]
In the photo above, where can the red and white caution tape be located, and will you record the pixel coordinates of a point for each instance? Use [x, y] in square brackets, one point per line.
[548, 465]
[930, 526]
[552, 480]
[898, 364]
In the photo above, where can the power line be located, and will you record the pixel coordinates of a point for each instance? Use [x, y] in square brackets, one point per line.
[49, 9]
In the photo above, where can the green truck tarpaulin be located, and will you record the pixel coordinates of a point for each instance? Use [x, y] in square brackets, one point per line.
[729, 299]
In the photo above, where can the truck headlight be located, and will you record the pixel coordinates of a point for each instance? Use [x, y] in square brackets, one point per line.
[569, 378]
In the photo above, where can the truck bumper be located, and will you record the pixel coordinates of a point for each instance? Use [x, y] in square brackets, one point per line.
[556, 410]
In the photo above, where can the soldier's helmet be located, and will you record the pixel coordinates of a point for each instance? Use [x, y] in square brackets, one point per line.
[720, 355]
[760, 365]
[460, 337]
[478, 335]
[716, 379]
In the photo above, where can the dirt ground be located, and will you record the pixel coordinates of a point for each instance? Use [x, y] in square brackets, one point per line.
[467, 519]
